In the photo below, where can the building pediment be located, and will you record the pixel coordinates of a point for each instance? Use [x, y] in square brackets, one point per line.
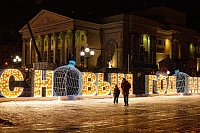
[45, 18]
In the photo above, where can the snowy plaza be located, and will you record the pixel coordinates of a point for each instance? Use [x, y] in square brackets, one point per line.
[144, 114]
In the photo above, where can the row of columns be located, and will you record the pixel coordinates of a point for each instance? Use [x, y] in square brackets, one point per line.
[29, 55]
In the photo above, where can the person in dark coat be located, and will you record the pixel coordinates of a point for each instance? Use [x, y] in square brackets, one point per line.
[116, 94]
[125, 85]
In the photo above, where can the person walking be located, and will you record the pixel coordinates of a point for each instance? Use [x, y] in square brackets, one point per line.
[125, 85]
[116, 94]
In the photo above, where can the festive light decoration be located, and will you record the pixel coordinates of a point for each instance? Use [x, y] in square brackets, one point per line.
[129, 78]
[67, 80]
[112, 80]
[94, 84]
[171, 85]
[119, 80]
[193, 84]
[150, 83]
[4, 83]
[181, 81]
[89, 88]
[103, 86]
[43, 81]
[115, 78]
[161, 86]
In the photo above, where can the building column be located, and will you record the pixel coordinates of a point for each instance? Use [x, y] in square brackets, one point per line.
[49, 49]
[42, 47]
[35, 53]
[56, 49]
[135, 49]
[153, 50]
[179, 50]
[24, 53]
[29, 49]
[63, 48]
[175, 49]
[171, 49]
[74, 44]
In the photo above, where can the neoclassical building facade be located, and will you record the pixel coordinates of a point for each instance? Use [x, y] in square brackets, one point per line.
[149, 39]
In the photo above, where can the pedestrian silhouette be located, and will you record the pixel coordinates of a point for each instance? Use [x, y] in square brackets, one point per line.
[116, 94]
[125, 85]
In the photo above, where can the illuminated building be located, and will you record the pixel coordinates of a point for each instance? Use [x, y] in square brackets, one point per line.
[138, 42]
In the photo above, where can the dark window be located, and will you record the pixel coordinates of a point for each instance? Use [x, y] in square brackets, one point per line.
[159, 42]
[51, 42]
[45, 43]
[45, 56]
[82, 38]
[52, 54]
[59, 41]
[141, 41]
[59, 55]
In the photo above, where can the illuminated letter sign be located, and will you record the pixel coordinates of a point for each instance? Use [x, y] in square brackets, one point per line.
[150, 84]
[192, 85]
[39, 83]
[103, 86]
[4, 83]
[89, 88]
[129, 78]
[115, 78]
[113, 81]
[172, 85]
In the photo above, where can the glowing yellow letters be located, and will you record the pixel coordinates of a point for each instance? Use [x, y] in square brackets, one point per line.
[4, 83]
[89, 88]
[39, 83]
[103, 86]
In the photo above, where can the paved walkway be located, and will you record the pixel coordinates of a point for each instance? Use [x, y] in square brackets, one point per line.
[144, 114]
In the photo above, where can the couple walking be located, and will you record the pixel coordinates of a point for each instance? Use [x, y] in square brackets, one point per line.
[125, 85]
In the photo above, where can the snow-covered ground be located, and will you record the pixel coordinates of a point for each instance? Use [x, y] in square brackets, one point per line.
[144, 114]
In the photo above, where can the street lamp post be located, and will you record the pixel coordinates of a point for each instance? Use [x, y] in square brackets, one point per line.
[17, 59]
[87, 53]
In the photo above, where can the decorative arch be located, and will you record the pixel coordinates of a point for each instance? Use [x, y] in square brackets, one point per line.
[111, 49]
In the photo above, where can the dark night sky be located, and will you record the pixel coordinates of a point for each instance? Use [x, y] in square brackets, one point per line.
[14, 12]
